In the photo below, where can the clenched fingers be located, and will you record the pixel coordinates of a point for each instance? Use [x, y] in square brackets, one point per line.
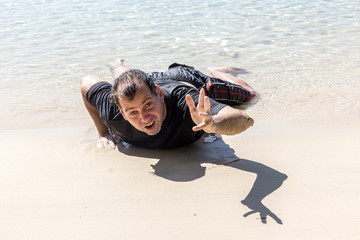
[207, 121]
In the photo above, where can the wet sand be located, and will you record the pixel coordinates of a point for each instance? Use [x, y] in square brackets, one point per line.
[270, 182]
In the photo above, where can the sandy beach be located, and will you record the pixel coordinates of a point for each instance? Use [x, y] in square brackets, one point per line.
[270, 182]
[293, 175]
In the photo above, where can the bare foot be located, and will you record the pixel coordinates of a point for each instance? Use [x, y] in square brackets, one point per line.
[118, 67]
[119, 62]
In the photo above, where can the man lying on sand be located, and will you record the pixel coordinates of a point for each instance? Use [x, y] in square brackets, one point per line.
[165, 109]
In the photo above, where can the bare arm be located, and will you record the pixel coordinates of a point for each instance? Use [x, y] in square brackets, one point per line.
[228, 121]
[106, 140]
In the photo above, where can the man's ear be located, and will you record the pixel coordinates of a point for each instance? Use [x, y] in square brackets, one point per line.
[159, 92]
[122, 113]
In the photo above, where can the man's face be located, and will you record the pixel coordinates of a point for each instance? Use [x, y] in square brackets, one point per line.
[146, 112]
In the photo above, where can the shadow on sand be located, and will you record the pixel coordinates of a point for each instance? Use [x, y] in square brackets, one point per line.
[184, 164]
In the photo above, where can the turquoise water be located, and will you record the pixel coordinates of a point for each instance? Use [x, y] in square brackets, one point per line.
[302, 56]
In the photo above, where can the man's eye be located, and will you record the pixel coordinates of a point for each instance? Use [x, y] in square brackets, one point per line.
[133, 113]
[148, 105]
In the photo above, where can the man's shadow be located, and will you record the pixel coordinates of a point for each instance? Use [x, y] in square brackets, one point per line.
[184, 164]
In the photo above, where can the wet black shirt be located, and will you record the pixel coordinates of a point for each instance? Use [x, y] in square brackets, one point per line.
[176, 129]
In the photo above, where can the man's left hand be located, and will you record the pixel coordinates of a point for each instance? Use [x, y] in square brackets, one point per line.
[201, 114]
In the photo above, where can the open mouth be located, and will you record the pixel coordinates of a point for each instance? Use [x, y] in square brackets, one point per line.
[150, 126]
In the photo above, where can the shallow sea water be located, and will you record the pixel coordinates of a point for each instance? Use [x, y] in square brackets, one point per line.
[302, 56]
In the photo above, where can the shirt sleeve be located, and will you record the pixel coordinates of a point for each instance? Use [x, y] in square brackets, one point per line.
[99, 97]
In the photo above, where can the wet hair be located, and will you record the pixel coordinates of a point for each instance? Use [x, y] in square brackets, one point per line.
[128, 83]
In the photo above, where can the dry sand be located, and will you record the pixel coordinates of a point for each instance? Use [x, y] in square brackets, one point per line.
[271, 182]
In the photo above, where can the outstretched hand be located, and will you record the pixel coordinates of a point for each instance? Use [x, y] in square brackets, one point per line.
[108, 142]
[201, 114]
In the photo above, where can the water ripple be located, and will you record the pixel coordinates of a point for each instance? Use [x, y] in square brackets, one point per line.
[46, 46]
